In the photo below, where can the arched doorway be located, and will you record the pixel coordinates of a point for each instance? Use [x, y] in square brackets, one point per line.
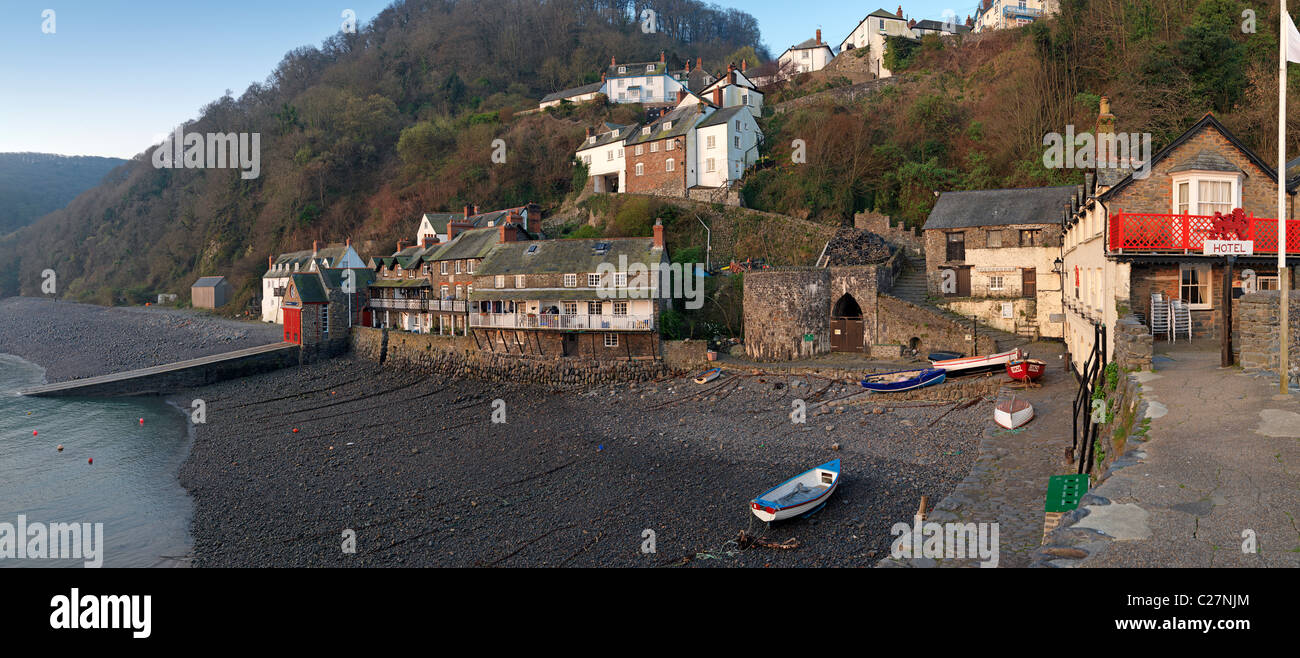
[846, 325]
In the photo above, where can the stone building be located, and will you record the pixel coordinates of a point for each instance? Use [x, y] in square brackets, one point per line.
[992, 255]
[1148, 228]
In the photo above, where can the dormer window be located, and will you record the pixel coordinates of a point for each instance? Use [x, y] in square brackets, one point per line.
[645, 130]
[622, 69]
[668, 125]
[649, 68]
[1205, 193]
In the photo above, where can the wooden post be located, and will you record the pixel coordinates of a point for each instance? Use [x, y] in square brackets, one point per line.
[1225, 340]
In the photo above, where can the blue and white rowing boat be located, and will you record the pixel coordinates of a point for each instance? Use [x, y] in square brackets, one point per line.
[903, 380]
[801, 494]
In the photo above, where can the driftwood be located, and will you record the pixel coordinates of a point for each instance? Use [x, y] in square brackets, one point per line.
[746, 541]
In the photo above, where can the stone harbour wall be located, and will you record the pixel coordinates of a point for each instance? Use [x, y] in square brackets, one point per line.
[1257, 327]
[458, 356]
[923, 330]
[781, 308]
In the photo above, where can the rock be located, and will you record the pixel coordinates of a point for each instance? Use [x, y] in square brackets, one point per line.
[835, 446]
[830, 428]
[1068, 553]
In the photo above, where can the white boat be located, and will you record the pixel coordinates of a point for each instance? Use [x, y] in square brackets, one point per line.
[800, 494]
[979, 363]
[1013, 413]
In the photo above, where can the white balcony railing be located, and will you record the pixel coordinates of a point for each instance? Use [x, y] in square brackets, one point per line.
[431, 305]
[562, 322]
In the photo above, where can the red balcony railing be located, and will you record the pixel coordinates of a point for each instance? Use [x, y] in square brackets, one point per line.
[1148, 232]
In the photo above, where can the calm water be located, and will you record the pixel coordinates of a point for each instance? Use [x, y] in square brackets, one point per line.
[131, 488]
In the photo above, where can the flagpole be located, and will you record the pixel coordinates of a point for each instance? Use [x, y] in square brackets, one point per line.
[1284, 284]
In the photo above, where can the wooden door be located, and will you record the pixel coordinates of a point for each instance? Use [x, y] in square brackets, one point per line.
[963, 282]
[1029, 282]
[293, 326]
[846, 334]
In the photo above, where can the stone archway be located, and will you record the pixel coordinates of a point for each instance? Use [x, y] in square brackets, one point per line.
[846, 325]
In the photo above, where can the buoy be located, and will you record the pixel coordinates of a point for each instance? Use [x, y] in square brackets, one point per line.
[295, 430]
[141, 421]
[60, 448]
[33, 432]
[90, 461]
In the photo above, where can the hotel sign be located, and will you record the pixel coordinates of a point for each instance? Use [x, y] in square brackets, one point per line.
[1229, 248]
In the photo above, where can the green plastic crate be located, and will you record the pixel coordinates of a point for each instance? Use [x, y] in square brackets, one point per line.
[1064, 492]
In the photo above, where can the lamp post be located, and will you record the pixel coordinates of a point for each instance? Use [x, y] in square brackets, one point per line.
[708, 241]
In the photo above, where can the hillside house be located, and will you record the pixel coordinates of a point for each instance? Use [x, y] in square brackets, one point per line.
[941, 28]
[571, 298]
[811, 55]
[210, 292]
[275, 280]
[423, 288]
[992, 254]
[734, 89]
[602, 152]
[644, 82]
[872, 32]
[1130, 237]
[582, 94]
[1001, 14]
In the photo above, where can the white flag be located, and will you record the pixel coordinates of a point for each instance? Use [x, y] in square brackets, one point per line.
[1292, 37]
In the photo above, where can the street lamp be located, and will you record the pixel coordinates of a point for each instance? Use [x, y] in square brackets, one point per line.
[708, 241]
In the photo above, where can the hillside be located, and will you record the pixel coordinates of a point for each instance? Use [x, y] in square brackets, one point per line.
[365, 133]
[35, 184]
[360, 136]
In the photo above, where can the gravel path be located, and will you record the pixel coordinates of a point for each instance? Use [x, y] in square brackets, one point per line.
[75, 341]
[571, 479]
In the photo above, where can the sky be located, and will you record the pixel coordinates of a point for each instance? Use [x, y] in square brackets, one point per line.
[114, 76]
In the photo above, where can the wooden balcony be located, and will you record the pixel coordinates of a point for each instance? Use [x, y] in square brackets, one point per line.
[1143, 233]
[561, 322]
[416, 304]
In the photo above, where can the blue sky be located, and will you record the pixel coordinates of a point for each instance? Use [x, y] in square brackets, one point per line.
[116, 75]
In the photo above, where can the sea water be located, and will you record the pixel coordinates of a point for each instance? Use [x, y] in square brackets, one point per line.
[131, 488]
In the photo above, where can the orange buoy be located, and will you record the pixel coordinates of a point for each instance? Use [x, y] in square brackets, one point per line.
[90, 461]
[33, 432]
[295, 430]
[141, 421]
[60, 448]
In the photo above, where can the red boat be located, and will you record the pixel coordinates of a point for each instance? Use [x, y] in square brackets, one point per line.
[1026, 369]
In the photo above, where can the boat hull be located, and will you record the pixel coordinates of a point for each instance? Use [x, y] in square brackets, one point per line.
[974, 364]
[769, 510]
[708, 376]
[1013, 413]
[1026, 369]
[923, 378]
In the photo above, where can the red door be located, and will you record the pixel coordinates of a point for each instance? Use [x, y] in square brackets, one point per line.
[293, 326]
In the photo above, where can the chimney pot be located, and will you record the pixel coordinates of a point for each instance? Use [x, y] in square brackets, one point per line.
[717, 97]
[467, 212]
[900, 11]
[270, 262]
[699, 62]
[613, 61]
[315, 247]
[663, 58]
[659, 233]
[819, 36]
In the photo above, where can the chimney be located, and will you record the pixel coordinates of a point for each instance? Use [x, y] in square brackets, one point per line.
[315, 248]
[681, 95]
[659, 234]
[455, 228]
[270, 262]
[731, 74]
[348, 242]
[717, 96]
[509, 233]
[401, 244]
[911, 23]
[662, 58]
[613, 62]
[467, 209]
[588, 132]
[699, 62]
[688, 66]
[819, 36]
[476, 210]
[900, 11]
[744, 64]
[1105, 120]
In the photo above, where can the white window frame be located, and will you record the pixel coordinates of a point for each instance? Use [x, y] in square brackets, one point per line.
[593, 308]
[620, 279]
[711, 142]
[654, 147]
[997, 283]
[570, 280]
[570, 308]
[640, 169]
[442, 267]
[1193, 179]
[611, 340]
[670, 165]
[593, 280]
[1205, 272]
[500, 281]
[469, 266]
[620, 308]
[520, 281]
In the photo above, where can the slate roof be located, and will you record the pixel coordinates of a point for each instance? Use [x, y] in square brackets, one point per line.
[566, 256]
[209, 282]
[576, 91]
[881, 13]
[333, 278]
[613, 133]
[1205, 161]
[940, 26]
[683, 120]
[1032, 205]
[721, 117]
[811, 44]
[698, 80]
[303, 258]
[310, 290]
[474, 243]
[636, 69]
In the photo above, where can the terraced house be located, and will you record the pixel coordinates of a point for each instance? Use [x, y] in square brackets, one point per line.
[275, 281]
[1136, 241]
[573, 298]
[424, 288]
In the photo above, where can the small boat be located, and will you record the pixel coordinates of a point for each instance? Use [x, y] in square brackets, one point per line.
[1028, 370]
[903, 380]
[801, 494]
[973, 364]
[944, 356]
[708, 376]
[1013, 413]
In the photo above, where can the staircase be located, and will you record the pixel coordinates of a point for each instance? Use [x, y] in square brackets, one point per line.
[911, 286]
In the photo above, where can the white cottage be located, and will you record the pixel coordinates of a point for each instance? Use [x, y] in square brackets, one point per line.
[872, 32]
[811, 55]
[280, 270]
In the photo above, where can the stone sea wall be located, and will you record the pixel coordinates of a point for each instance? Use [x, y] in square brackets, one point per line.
[1258, 329]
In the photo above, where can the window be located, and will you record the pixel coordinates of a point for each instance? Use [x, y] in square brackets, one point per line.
[593, 280]
[1031, 238]
[444, 292]
[640, 169]
[501, 281]
[586, 159]
[469, 267]
[570, 308]
[640, 149]
[710, 165]
[519, 281]
[649, 68]
[1215, 196]
[739, 128]
[622, 69]
[325, 318]
[995, 282]
[611, 340]
[671, 145]
[460, 292]
[1205, 194]
[620, 308]
[995, 239]
[1194, 286]
[956, 246]
[609, 155]
[620, 153]
[711, 141]
[570, 280]
[645, 130]
[442, 267]
[1268, 283]
[620, 279]
[593, 308]
[1182, 197]
[458, 267]
[737, 141]
[744, 99]
[654, 148]
[669, 165]
[424, 270]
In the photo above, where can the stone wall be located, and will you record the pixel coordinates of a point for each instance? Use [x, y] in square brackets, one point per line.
[685, 355]
[990, 312]
[923, 330]
[899, 234]
[1257, 326]
[459, 357]
[727, 196]
[847, 94]
[1134, 345]
[781, 308]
